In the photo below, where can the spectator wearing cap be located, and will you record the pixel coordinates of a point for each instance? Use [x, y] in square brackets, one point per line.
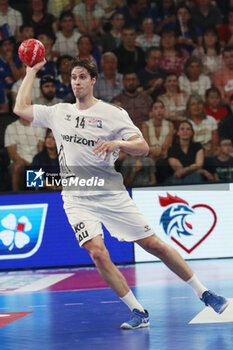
[50, 68]
[11, 17]
[48, 91]
[10, 64]
[112, 39]
[109, 82]
[66, 37]
[63, 85]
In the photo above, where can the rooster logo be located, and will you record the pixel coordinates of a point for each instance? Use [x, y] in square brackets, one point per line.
[173, 218]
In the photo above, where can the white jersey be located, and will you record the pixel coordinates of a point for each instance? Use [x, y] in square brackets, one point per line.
[77, 132]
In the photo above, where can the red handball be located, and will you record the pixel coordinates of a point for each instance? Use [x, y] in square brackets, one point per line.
[31, 51]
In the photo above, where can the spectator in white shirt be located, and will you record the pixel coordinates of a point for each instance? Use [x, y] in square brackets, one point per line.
[66, 37]
[11, 17]
[194, 80]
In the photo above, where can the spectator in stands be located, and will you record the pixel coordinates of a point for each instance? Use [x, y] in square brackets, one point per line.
[26, 32]
[87, 49]
[47, 159]
[166, 16]
[16, 85]
[193, 80]
[11, 17]
[210, 53]
[4, 105]
[223, 80]
[147, 39]
[112, 39]
[88, 17]
[206, 15]
[214, 104]
[225, 126]
[173, 57]
[40, 19]
[205, 127]
[138, 171]
[157, 131]
[134, 12]
[186, 157]
[188, 35]
[110, 7]
[66, 37]
[10, 65]
[128, 54]
[174, 100]
[57, 6]
[48, 91]
[22, 141]
[152, 76]
[63, 85]
[51, 59]
[137, 104]
[225, 31]
[109, 83]
[222, 164]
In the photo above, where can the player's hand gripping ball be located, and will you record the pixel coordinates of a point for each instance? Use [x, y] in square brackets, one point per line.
[31, 51]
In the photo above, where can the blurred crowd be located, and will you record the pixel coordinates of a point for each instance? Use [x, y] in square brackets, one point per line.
[168, 63]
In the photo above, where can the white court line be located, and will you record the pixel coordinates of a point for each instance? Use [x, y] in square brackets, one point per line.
[71, 304]
[37, 305]
[209, 316]
[43, 283]
[110, 302]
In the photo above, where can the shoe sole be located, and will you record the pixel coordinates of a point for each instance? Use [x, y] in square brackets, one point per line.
[127, 326]
[223, 307]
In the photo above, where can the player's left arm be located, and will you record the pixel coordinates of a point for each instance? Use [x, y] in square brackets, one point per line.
[135, 146]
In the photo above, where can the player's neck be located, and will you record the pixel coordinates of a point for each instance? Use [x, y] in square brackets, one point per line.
[86, 102]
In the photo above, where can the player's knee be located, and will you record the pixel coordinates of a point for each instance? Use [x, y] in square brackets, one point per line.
[157, 247]
[98, 253]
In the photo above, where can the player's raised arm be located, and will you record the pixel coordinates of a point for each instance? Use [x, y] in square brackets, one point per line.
[23, 106]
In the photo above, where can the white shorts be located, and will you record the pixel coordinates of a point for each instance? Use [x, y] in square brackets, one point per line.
[117, 212]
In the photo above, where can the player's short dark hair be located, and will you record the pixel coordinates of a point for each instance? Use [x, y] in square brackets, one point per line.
[86, 63]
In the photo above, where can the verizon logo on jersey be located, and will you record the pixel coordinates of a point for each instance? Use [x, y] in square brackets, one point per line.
[80, 140]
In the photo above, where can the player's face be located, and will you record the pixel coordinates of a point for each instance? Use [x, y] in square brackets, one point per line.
[81, 82]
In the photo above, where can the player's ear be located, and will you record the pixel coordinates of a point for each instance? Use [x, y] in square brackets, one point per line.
[93, 81]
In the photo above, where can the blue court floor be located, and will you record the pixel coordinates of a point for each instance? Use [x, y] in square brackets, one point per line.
[59, 317]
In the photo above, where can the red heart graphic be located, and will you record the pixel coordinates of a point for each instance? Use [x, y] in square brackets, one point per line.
[205, 236]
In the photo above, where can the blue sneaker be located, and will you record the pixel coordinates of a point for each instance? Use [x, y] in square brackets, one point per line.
[217, 302]
[138, 319]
